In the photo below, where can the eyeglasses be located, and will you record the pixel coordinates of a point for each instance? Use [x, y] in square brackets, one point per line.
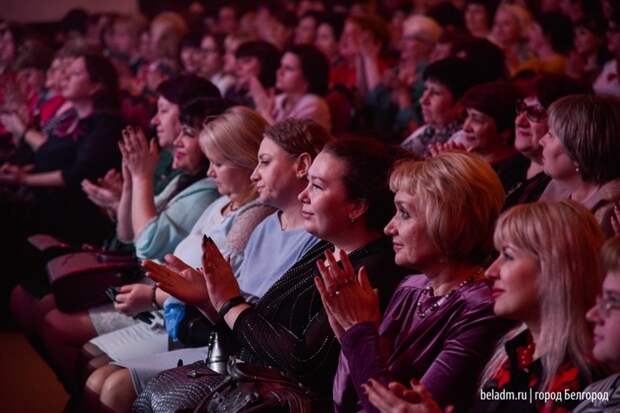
[604, 304]
[534, 113]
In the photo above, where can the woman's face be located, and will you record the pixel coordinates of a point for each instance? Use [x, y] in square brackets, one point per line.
[231, 180]
[274, 176]
[230, 47]
[530, 127]
[412, 245]
[326, 40]
[476, 18]
[188, 156]
[556, 162]
[326, 206]
[247, 67]
[605, 316]
[350, 40]
[209, 57]
[305, 33]
[613, 38]
[481, 134]
[290, 78]
[439, 107]
[189, 59]
[506, 28]
[586, 42]
[7, 46]
[78, 84]
[166, 122]
[514, 275]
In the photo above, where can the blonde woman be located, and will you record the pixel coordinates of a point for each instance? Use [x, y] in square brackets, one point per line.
[231, 144]
[546, 277]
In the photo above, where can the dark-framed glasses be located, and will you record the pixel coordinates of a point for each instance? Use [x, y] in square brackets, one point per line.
[535, 113]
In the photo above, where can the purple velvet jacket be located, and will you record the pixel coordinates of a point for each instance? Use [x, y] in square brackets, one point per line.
[446, 350]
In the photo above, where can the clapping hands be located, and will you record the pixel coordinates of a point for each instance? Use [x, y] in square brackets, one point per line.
[349, 299]
[139, 156]
[106, 192]
[397, 398]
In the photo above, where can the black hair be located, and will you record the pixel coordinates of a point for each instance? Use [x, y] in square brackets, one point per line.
[335, 21]
[454, 73]
[267, 54]
[314, 66]
[548, 88]
[181, 89]
[559, 29]
[368, 164]
[101, 70]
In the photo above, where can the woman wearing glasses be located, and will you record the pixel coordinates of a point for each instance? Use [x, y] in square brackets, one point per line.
[580, 153]
[530, 127]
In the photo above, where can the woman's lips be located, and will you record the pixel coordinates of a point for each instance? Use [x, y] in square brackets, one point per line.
[496, 292]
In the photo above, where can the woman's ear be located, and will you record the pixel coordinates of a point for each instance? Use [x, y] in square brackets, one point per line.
[357, 210]
[302, 164]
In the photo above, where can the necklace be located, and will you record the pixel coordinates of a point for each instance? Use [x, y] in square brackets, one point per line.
[429, 291]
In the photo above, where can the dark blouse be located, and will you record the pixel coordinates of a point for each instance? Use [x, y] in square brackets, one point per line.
[288, 328]
[520, 377]
[445, 348]
[88, 153]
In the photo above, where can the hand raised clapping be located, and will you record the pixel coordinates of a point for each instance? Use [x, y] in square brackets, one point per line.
[349, 299]
[139, 156]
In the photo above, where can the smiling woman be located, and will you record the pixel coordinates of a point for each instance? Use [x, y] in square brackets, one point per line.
[439, 326]
[534, 283]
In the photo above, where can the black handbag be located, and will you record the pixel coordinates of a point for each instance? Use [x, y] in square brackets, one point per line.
[246, 388]
[252, 388]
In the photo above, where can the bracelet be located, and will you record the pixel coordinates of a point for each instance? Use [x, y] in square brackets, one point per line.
[228, 305]
[156, 306]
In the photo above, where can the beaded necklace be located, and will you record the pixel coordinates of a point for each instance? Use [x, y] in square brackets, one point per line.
[429, 291]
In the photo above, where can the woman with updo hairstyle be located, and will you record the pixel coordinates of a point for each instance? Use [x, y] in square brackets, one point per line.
[546, 277]
[439, 327]
[581, 153]
[346, 203]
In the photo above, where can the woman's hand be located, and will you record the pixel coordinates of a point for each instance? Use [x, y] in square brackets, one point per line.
[221, 282]
[435, 149]
[133, 299]
[14, 174]
[348, 300]
[14, 124]
[397, 398]
[178, 279]
[140, 156]
[264, 100]
[107, 192]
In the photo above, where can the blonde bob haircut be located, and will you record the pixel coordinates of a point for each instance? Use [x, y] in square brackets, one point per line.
[460, 197]
[565, 240]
